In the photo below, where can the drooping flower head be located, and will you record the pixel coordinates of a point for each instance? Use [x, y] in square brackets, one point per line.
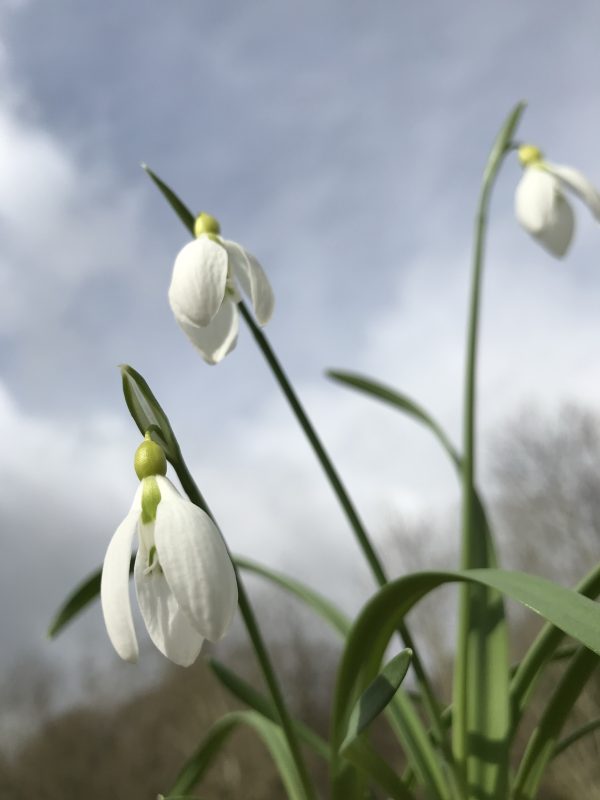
[540, 203]
[184, 579]
[208, 275]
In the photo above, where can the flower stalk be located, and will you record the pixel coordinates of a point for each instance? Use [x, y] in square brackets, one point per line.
[352, 516]
[191, 489]
[476, 552]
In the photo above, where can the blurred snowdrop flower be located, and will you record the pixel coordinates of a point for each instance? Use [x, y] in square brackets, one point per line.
[540, 204]
[208, 275]
[184, 579]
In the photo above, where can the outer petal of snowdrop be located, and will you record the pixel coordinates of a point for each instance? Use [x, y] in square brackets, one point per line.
[195, 562]
[543, 211]
[198, 284]
[252, 280]
[578, 183]
[114, 589]
[217, 339]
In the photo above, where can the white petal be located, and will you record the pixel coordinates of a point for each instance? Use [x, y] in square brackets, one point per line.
[168, 626]
[543, 210]
[195, 563]
[198, 283]
[535, 198]
[558, 233]
[114, 589]
[219, 337]
[578, 183]
[251, 277]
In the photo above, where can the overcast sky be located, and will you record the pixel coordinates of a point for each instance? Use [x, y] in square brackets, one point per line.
[341, 142]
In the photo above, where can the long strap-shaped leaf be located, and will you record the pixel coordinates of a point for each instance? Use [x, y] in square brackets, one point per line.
[577, 616]
[542, 743]
[401, 714]
[257, 701]
[542, 651]
[270, 733]
[361, 754]
[487, 647]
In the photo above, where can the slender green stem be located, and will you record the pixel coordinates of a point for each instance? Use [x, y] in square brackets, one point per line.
[285, 719]
[472, 546]
[351, 513]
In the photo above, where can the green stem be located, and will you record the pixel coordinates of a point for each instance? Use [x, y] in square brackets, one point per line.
[285, 719]
[471, 545]
[356, 524]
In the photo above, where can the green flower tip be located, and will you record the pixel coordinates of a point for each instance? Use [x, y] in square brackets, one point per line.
[529, 155]
[149, 459]
[205, 223]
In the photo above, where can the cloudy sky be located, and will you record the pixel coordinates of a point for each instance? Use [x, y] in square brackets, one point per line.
[343, 143]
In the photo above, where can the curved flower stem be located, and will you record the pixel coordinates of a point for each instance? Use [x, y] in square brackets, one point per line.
[194, 494]
[471, 544]
[356, 524]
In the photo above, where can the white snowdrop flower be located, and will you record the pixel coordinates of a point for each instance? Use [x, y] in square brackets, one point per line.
[184, 579]
[208, 275]
[540, 204]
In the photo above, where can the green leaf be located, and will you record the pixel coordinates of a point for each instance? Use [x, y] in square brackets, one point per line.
[366, 759]
[271, 735]
[82, 596]
[487, 646]
[258, 702]
[542, 651]
[377, 696]
[575, 736]
[184, 214]
[324, 608]
[410, 407]
[541, 745]
[361, 755]
[147, 412]
[577, 616]
[87, 591]
[401, 715]
[400, 401]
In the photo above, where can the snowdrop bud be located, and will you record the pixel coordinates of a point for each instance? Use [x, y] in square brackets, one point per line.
[205, 223]
[149, 459]
[530, 155]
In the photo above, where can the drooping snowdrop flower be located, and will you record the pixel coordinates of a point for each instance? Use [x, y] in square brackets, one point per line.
[205, 289]
[540, 204]
[184, 579]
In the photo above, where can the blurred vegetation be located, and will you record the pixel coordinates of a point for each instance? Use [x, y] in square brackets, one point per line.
[546, 511]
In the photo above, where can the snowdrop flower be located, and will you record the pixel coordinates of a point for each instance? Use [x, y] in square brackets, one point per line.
[184, 579]
[207, 277]
[540, 204]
